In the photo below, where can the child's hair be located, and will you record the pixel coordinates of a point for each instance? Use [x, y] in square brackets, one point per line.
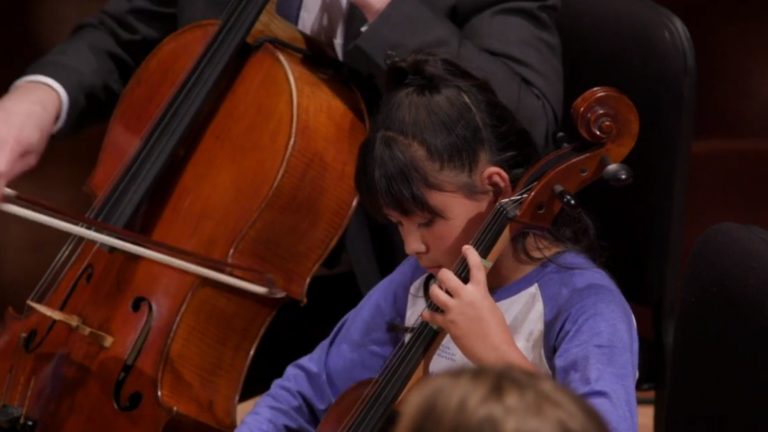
[437, 125]
[494, 400]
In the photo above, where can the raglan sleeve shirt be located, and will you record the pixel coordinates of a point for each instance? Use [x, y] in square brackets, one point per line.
[356, 350]
[591, 344]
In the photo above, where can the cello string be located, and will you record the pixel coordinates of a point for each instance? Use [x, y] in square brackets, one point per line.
[63, 260]
[386, 386]
[487, 237]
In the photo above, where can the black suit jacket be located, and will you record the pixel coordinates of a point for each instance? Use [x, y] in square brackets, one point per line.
[511, 43]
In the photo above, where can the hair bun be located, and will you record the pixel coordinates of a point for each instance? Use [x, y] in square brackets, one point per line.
[420, 71]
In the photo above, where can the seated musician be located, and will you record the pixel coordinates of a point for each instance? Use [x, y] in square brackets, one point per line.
[83, 77]
[443, 151]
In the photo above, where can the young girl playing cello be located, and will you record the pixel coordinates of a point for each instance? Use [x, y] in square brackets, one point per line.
[443, 152]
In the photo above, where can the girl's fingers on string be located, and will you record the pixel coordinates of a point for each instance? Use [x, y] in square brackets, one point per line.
[475, 264]
[434, 318]
[449, 282]
[440, 297]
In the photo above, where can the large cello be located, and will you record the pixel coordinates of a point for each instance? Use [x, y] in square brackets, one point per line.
[235, 155]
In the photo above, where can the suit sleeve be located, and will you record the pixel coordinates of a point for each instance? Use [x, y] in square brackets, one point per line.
[512, 44]
[96, 61]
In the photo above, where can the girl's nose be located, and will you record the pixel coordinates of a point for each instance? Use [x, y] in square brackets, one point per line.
[412, 242]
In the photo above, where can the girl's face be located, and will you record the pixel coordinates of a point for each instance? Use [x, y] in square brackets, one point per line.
[436, 241]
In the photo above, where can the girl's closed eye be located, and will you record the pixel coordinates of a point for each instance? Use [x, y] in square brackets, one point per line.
[428, 222]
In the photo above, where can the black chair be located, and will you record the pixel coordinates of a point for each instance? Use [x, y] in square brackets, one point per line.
[719, 361]
[645, 51]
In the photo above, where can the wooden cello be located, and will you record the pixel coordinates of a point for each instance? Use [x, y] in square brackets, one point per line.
[242, 154]
[609, 122]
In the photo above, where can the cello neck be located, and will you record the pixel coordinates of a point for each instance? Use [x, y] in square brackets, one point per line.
[373, 411]
[176, 123]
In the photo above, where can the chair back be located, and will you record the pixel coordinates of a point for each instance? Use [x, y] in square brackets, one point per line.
[645, 51]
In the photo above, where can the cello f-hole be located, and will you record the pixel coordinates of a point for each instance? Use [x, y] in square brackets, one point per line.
[85, 275]
[135, 398]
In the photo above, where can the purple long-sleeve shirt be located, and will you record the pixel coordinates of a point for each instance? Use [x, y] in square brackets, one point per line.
[567, 316]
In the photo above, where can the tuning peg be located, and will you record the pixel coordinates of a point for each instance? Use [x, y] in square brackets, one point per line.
[566, 197]
[561, 140]
[617, 174]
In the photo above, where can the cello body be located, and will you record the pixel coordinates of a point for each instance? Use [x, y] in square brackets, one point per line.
[265, 183]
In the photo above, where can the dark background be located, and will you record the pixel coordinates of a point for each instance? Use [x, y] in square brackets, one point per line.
[729, 159]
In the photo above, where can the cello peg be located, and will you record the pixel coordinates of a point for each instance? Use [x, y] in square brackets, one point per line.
[566, 197]
[617, 174]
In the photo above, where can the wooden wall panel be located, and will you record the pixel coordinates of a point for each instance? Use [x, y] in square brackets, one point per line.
[728, 176]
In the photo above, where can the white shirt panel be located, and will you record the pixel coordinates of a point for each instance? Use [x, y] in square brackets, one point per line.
[524, 313]
[324, 20]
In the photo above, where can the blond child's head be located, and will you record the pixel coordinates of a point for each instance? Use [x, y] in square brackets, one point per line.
[494, 400]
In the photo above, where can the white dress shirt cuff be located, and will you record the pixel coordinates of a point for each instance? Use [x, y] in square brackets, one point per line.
[50, 82]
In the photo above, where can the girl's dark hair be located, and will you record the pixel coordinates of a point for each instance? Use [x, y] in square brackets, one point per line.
[436, 124]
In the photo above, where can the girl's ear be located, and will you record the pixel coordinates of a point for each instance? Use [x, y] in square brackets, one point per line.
[497, 180]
